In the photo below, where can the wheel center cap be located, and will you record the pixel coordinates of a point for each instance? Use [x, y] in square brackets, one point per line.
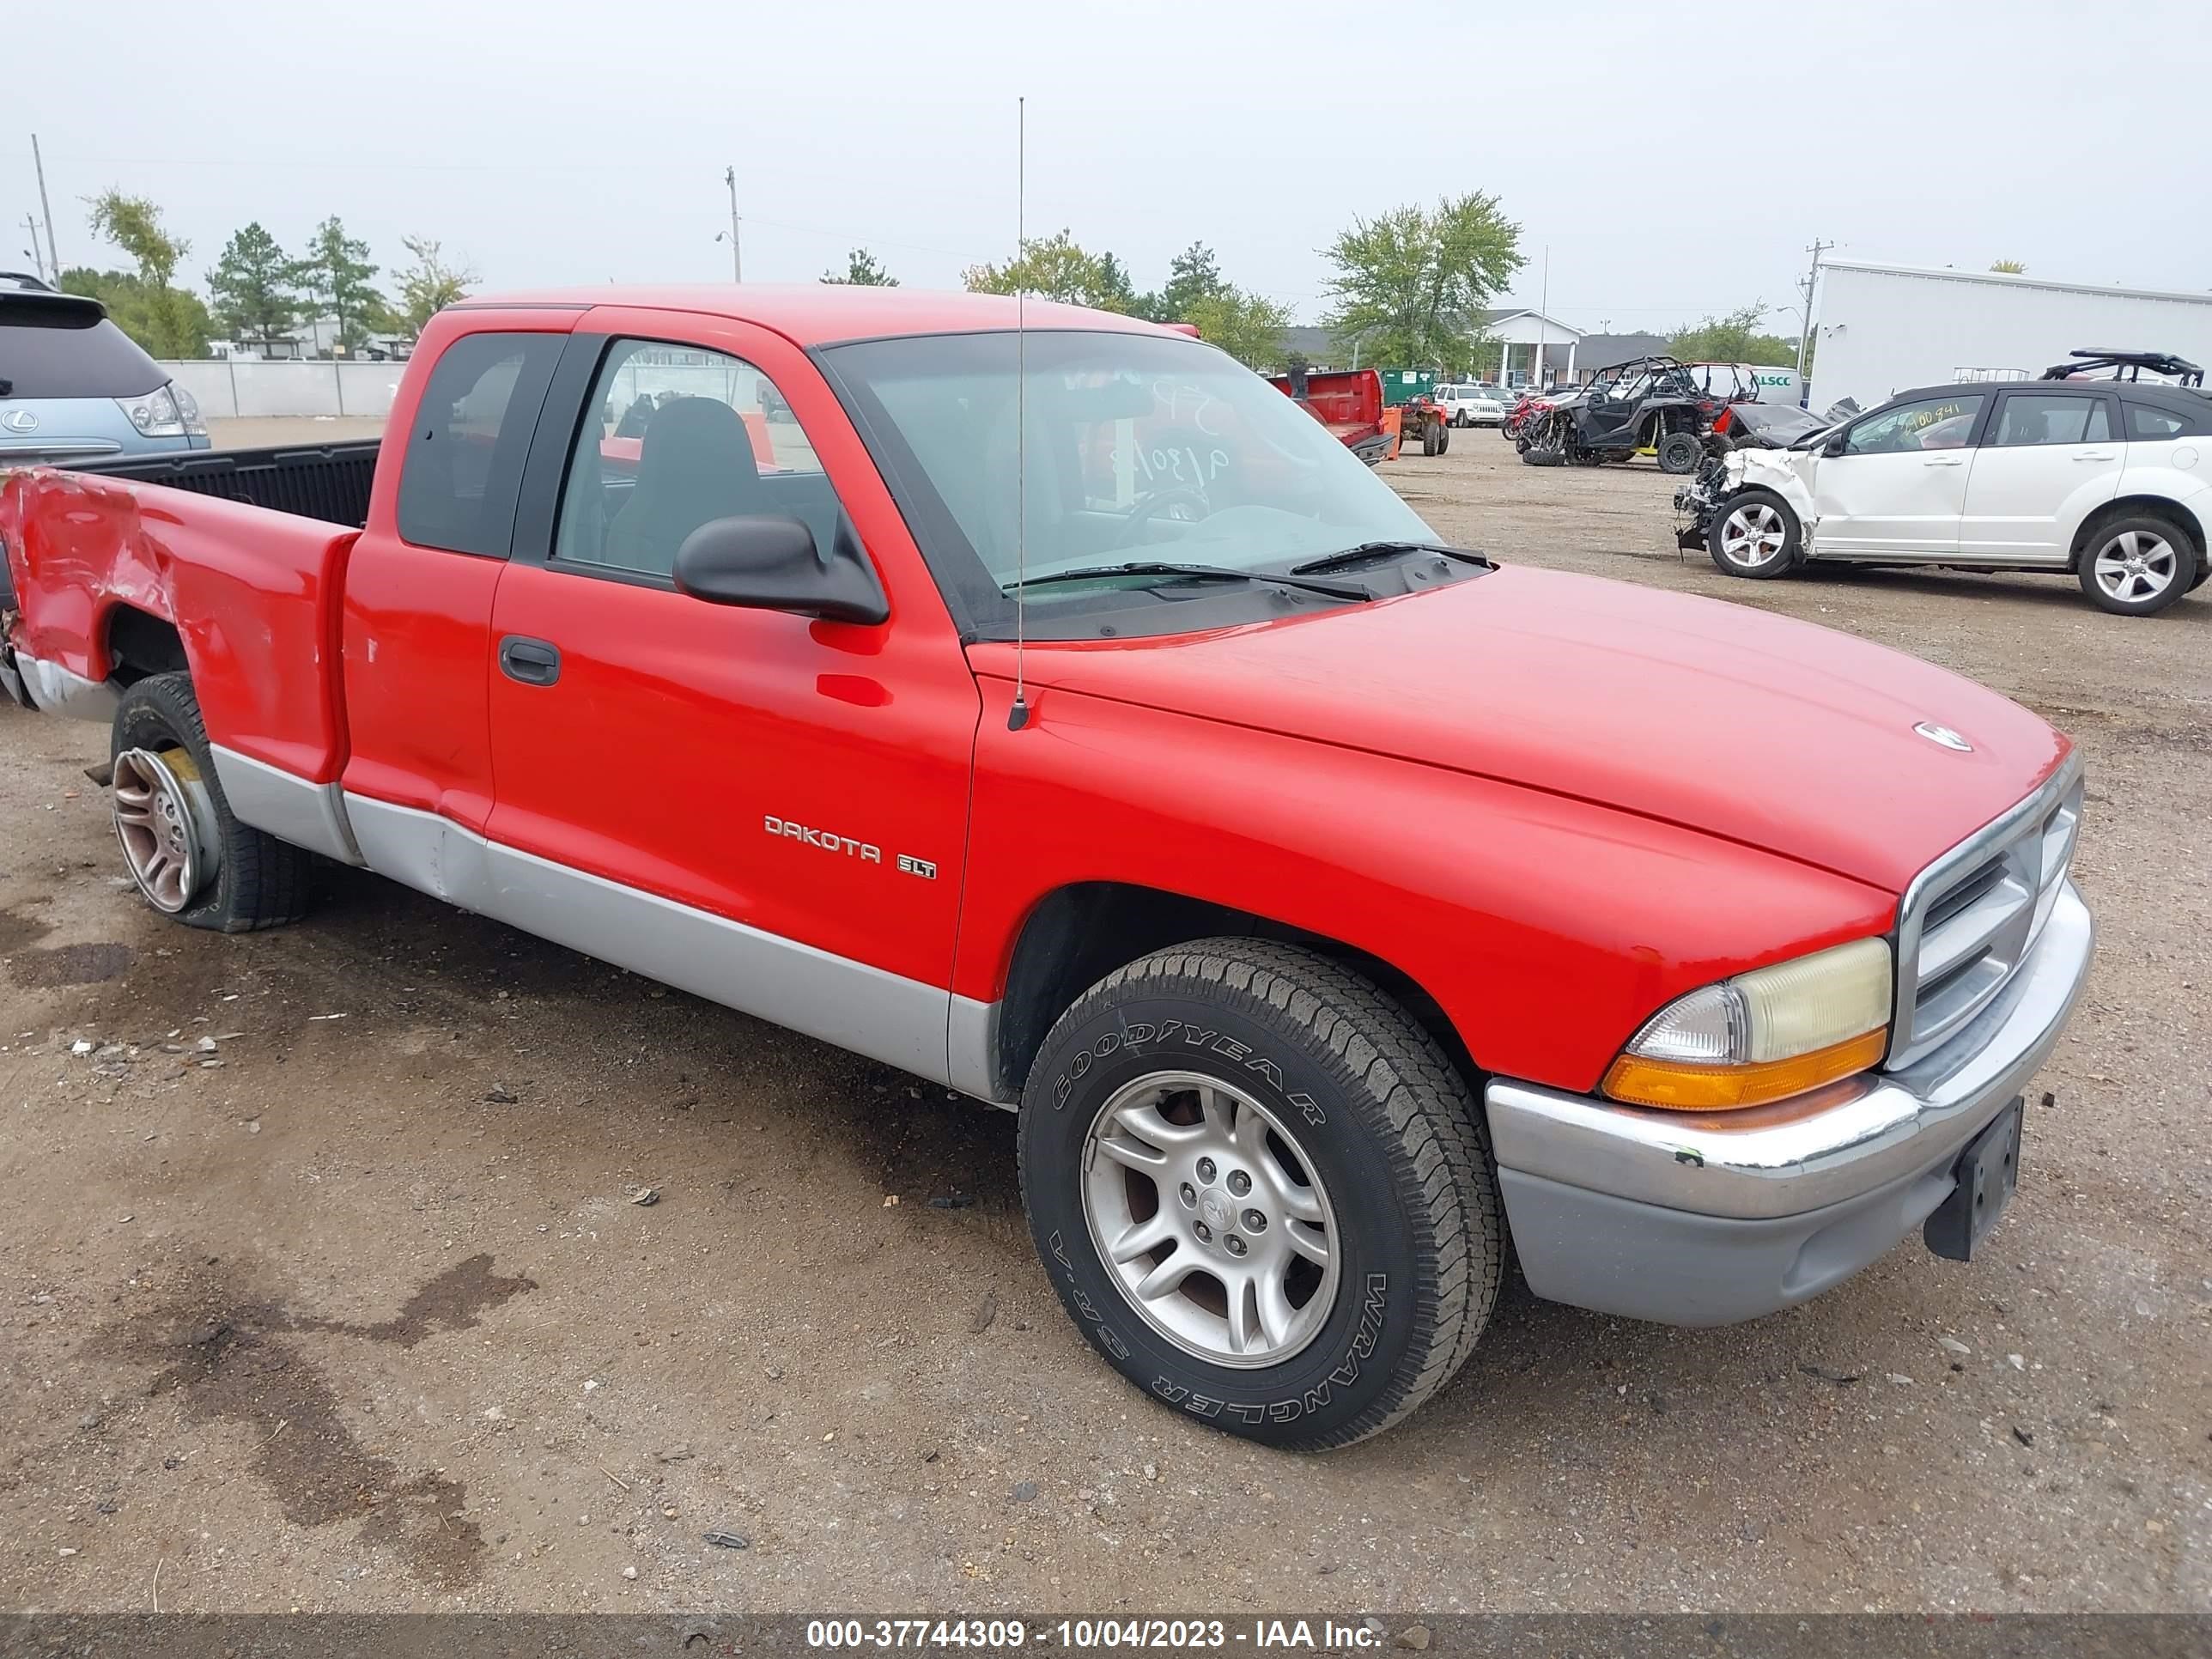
[1214, 1209]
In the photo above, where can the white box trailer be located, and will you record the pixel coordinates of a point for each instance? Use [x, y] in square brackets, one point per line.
[1777, 384]
[1883, 328]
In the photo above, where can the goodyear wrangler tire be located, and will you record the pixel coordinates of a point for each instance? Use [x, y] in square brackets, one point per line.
[191, 859]
[1261, 1191]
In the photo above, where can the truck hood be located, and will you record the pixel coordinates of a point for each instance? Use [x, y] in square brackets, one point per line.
[1767, 731]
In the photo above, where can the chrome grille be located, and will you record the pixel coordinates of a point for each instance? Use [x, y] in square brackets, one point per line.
[1970, 918]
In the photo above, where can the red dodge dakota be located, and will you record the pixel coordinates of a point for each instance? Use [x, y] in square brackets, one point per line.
[1061, 714]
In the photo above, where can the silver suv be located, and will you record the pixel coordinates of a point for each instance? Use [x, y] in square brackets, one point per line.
[73, 387]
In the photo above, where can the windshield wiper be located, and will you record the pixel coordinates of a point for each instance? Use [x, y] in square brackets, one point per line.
[1200, 573]
[1367, 552]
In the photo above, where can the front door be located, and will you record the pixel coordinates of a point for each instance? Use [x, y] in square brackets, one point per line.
[2050, 459]
[416, 619]
[1896, 483]
[765, 808]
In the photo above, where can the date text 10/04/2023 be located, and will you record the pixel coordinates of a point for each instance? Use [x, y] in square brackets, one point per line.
[1007, 1634]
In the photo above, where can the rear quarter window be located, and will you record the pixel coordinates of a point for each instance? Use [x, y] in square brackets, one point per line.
[2147, 423]
[100, 361]
[463, 471]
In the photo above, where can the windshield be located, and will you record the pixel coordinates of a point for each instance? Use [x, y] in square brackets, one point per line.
[1136, 448]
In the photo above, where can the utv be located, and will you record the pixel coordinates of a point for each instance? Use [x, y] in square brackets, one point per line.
[1647, 406]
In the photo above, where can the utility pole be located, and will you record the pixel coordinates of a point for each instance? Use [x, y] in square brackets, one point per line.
[38, 259]
[53, 248]
[1812, 278]
[737, 255]
[1544, 298]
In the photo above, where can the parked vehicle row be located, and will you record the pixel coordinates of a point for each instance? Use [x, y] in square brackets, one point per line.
[1068, 718]
[2109, 481]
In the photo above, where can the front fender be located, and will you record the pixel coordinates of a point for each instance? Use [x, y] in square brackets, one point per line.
[1774, 470]
[1546, 928]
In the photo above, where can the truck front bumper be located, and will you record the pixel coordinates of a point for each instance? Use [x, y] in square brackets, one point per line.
[1694, 1218]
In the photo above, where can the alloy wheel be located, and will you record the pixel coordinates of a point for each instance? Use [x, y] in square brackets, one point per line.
[163, 818]
[1211, 1217]
[1751, 535]
[2137, 565]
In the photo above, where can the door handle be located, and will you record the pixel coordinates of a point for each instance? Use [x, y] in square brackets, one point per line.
[2094, 455]
[532, 662]
[1944, 460]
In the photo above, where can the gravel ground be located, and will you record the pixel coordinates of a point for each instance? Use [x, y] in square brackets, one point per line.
[323, 1283]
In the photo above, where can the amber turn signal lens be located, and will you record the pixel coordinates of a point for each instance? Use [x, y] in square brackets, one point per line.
[1680, 1087]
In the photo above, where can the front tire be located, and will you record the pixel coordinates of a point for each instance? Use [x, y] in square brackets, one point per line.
[2138, 565]
[1755, 535]
[1680, 451]
[1261, 1191]
[191, 859]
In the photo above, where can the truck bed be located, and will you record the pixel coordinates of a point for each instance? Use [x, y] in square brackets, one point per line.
[239, 556]
[330, 481]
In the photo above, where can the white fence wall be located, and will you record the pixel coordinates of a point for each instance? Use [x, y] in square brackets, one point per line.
[228, 387]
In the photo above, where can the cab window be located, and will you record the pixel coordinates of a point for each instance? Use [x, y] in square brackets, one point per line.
[674, 437]
[1924, 424]
[463, 469]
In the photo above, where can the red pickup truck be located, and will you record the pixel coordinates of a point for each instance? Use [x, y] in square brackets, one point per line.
[1065, 716]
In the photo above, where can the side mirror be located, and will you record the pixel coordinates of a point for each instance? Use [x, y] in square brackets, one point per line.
[770, 563]
[1835, 443]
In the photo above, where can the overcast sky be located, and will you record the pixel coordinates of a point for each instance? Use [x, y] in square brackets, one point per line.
[1675, 160]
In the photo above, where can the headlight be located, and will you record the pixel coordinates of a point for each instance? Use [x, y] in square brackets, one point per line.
[189, 407]
[1762, 1035]
[156, 413]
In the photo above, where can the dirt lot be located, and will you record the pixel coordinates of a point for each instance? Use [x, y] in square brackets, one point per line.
[357, 1311]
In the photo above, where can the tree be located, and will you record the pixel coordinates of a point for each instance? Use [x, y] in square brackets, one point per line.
[337, 270]
[168, 323]
[1411, 283]
[429, 285]
[1192, 275]
[1115, 291]
[1735, 338]
[256, 287]
[862, 270]
[1054, 267]
[164, 319]
[1248, 327]
[2009, 267]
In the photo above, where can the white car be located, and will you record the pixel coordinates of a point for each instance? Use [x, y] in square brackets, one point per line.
[1473, 405]
[2109, 481]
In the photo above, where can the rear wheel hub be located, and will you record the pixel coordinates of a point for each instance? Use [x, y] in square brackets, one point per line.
[165, 819]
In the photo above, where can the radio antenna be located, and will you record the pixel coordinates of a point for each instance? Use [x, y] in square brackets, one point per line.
[1019, 715]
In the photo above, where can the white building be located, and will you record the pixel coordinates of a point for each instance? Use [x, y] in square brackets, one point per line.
[1885, 328]
[1527, 346]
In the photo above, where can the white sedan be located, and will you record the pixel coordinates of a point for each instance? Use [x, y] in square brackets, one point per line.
[2107, 480]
